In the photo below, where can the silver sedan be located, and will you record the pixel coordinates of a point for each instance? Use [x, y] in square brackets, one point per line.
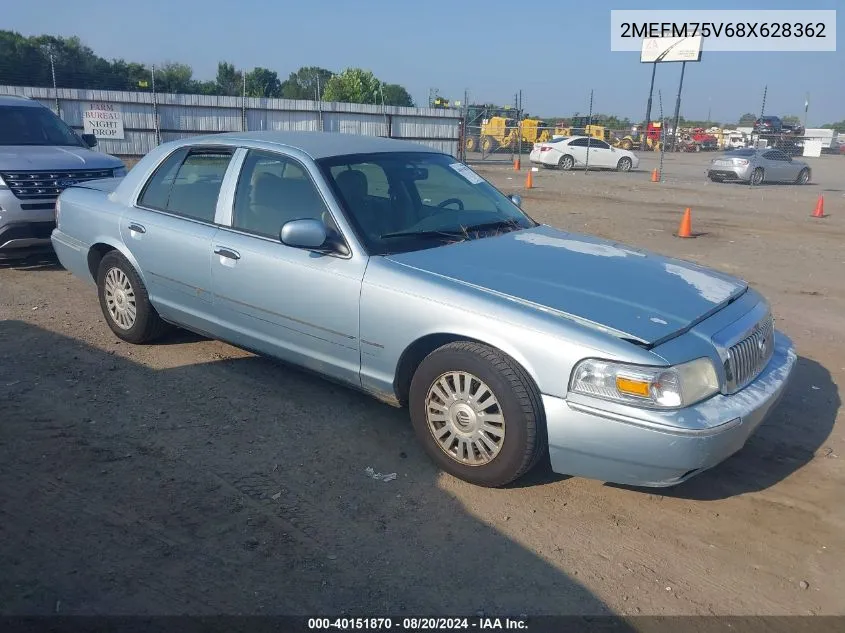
[756, 166]
[396, 269]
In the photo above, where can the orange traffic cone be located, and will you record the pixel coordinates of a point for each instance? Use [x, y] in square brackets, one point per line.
[819, 212]
[516, 165]
[685, 229]
[529, 180]
[655, 175]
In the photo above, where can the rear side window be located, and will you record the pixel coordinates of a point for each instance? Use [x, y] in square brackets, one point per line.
[188, 183]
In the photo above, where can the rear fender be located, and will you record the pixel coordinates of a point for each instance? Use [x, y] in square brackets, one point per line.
[119, 246]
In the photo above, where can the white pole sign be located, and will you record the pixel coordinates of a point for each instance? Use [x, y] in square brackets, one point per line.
[671, 49]
[103, 120]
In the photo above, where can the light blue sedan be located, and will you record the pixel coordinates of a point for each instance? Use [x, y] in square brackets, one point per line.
[396, 269]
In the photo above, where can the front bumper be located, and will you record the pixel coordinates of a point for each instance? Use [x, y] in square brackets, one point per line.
[586, 441]
[23, 239]
[25, 225]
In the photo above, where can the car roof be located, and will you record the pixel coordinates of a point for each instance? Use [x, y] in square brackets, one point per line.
[19, 100]
[315, 144]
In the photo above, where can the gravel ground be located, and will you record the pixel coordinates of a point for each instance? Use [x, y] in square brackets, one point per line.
[193, 477]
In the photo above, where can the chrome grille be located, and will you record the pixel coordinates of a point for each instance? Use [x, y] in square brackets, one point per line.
[40, 185]
[748, 357]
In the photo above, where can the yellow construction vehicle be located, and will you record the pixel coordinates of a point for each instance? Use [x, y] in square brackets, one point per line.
[499, 132]
[581, 126]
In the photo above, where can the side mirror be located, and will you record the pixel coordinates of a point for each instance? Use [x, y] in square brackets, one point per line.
[306, 233]
[90, 140]
[516, 199]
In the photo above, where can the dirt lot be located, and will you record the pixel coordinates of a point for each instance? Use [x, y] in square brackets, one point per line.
[192, 477]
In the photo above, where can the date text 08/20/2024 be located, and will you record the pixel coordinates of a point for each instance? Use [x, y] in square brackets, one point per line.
[417, 624]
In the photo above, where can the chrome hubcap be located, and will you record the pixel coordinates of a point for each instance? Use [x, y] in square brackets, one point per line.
[465, 419]
[120, 298]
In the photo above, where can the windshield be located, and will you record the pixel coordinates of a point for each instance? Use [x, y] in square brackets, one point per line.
[25, 125]
[399, 202]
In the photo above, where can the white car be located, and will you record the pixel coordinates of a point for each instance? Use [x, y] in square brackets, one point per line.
[568, 152]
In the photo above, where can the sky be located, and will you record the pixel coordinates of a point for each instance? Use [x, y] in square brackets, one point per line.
[555, 51]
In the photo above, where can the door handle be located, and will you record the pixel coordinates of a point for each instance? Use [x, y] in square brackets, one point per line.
[133, 226]
[227, 252]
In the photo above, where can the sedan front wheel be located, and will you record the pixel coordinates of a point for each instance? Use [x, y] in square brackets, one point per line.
[477, 414]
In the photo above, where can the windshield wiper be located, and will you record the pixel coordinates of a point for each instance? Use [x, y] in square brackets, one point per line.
[496, 224]
[440, 234]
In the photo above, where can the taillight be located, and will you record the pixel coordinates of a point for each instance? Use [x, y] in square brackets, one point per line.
[544, 149]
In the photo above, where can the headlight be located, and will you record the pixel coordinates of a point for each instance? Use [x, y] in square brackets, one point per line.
[653, 387]
[120, 172]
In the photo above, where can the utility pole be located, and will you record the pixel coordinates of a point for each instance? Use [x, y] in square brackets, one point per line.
[650, 93]
[243, 102]
[155, 107]
[55, 87]
[678, 107]
[589, 131]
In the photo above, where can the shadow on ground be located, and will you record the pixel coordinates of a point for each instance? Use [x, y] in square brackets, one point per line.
[232, 487]
[785, 442]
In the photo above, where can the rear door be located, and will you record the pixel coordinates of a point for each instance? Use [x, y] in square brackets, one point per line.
[170, 230]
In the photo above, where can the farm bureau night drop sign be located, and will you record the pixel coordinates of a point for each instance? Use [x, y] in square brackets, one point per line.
[103, 120]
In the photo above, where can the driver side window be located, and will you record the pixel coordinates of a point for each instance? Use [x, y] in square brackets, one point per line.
[272, 190]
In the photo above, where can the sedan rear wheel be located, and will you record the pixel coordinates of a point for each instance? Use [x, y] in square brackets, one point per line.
[757, 176]
[566, 162]
[477, 414]
[803, 177]
[125, 302]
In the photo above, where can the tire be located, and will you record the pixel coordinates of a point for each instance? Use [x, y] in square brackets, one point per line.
[566, 162]
[119, 284]
[803, 177]
[517, 403]
[757, 177]
[471, 143]
[624, 164]
[488, 145]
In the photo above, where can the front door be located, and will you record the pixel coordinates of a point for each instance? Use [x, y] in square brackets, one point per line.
[170, 230]
[601, 154]
[296, 304]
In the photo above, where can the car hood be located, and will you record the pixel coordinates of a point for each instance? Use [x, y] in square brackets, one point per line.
[42, 158]
[633, 293]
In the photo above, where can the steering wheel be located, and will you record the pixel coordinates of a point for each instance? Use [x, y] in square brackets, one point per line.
[445, 203]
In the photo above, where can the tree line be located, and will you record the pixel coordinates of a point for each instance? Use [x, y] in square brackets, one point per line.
[27, 61]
